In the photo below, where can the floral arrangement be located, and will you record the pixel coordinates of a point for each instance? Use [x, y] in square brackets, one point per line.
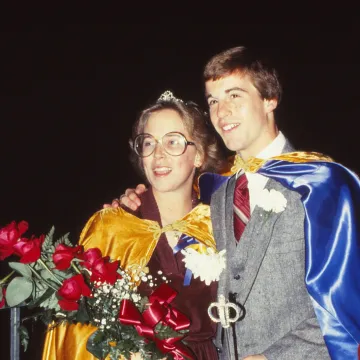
[72, 285]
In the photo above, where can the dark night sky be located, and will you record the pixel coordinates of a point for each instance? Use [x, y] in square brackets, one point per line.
[69, 95]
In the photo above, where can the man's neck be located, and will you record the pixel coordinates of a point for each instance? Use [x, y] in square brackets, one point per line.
[268, 135]
[272, 148]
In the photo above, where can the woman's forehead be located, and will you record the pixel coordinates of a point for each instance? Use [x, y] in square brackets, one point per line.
[164, 121]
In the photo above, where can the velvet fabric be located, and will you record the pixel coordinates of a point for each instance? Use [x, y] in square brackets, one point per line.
[192, 300]
[140, 241]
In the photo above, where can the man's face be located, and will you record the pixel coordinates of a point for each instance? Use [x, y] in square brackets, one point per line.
[240, 115]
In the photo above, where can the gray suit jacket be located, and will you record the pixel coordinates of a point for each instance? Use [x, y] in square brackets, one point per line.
[266, 272]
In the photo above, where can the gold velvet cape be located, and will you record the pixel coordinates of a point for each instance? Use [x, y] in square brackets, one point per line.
[131, 240]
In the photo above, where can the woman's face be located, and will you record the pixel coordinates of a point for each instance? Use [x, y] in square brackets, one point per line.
[167, 173]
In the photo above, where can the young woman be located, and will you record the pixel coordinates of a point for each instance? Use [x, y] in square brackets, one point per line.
[171, 145]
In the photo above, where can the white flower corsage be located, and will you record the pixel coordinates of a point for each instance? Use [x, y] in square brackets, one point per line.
[208, 266]
[271, 200]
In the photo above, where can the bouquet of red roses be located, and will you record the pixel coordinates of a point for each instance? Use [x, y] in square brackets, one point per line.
[72, 285]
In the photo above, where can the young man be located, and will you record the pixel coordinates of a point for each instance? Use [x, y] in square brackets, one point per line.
[266, 266]
[287, 223]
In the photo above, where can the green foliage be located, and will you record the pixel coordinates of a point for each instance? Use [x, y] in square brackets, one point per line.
[47, 316]
[142, 303]
[48, 244]
[63, 240]
[51, 302]
[82, 315]
[98, 345]
[22, 269]
[164, 332]
[24, 337]
[46, 299]
[19, 289]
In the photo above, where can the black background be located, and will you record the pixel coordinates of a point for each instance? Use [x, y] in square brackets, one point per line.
[70, 93]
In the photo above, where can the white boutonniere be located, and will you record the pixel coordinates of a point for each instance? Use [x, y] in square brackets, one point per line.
[207, 265]
[271, 200]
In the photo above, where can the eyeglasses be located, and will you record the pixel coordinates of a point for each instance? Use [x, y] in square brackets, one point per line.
[173, 143]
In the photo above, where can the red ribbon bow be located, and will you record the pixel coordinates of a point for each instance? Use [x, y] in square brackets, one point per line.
[158, 311]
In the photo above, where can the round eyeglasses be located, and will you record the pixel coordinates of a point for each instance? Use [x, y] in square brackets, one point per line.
[173, 143]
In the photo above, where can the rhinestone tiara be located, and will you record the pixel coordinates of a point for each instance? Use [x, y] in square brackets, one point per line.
[168, 96]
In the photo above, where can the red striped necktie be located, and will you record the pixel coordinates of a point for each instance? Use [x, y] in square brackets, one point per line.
[241, 206]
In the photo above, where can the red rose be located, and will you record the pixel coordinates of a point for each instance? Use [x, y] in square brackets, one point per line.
[105, 271]
[9, 235]
[29, 250]
[90, 256]
[2, 302]
[71, 291]
[63, 255]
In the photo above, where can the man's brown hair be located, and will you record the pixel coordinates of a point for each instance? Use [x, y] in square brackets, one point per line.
[239, 60]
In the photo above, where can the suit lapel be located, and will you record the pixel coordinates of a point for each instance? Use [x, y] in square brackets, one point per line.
[253, 245]
[244, 258]
[224, 200]
[249, 253]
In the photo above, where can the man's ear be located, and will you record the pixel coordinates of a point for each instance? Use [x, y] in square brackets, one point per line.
[270, 105]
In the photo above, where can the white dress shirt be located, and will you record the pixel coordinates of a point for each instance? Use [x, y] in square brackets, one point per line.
[257, 182]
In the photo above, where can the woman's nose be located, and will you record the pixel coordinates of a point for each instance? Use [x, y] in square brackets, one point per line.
[159, 150]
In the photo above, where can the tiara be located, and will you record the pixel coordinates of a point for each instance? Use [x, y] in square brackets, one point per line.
[168, 96]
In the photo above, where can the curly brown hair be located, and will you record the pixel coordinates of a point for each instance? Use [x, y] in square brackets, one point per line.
[196, 123]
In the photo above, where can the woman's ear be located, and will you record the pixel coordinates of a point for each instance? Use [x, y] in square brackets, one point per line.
[198, 160]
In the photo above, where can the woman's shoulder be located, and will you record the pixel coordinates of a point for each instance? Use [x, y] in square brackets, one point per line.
[111, 213]
[108, 218]
[201, 210]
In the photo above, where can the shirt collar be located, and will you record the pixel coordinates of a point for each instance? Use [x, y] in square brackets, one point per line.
[275, 148]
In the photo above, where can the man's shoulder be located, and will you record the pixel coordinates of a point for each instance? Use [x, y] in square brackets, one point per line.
[222, 189]
[211, 184]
